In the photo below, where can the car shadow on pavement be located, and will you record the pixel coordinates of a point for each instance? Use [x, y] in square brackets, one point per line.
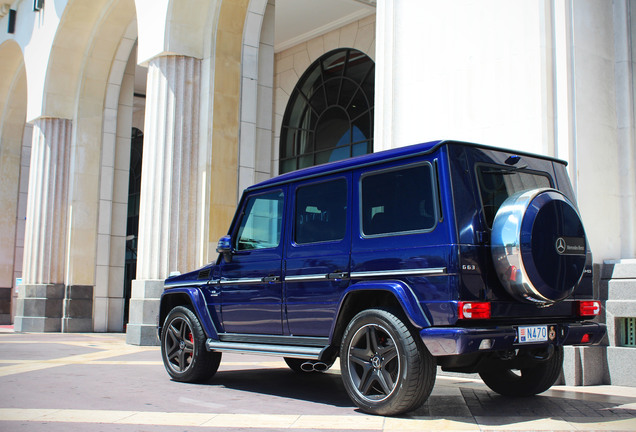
[323, 388]
[465, 401]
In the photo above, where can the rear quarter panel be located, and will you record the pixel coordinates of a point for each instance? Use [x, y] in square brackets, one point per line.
[430, 249]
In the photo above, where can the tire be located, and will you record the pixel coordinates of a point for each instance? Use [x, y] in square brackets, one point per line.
[385, 369]
[296, 364]
[183, 350]
[526, 381]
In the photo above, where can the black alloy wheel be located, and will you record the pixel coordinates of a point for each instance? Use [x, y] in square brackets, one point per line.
[179, 345]
[374, 363]
[183, 350]
[385, 369]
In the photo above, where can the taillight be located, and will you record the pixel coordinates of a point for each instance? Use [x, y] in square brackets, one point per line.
[474, 310]
[589, 308]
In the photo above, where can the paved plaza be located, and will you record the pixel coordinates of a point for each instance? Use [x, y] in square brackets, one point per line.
[95, 382]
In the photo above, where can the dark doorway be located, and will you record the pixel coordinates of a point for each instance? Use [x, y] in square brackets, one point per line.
[132, 225]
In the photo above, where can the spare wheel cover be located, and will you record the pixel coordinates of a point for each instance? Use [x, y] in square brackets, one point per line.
[539, 246]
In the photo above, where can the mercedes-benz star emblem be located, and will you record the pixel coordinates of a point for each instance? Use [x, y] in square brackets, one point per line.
[560, 245]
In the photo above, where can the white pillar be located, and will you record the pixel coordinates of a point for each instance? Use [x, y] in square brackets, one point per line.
[599, 180]
[40, 298]
[482, 78]
[384, 51]
[12, 215]
[168, 214]
[624, 22]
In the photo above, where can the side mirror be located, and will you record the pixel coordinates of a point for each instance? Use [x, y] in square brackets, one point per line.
[224, 246]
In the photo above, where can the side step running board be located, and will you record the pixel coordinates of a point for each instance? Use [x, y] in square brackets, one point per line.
[308, 353]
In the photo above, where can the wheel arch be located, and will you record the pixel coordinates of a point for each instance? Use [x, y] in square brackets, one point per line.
[191, 298]
[395, 295]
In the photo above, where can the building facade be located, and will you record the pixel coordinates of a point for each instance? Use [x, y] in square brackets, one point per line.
[129, 128]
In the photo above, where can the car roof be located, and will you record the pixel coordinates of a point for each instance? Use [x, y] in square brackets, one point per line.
[376, 158]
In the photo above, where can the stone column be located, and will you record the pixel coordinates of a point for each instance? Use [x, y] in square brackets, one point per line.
[587, 365]
[40, 298]
[618, 285]
[10, 224]
[77, 311]
[168, 214]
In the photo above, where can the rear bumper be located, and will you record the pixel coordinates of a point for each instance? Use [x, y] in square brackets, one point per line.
[443, 341]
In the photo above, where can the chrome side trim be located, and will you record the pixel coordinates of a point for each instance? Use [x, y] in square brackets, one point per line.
[406, 272]
[309, 353]
[319, 277]
[240, 281]
[305, 278]
[186, 285]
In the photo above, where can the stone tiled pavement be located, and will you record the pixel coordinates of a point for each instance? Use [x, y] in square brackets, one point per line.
[81, 382]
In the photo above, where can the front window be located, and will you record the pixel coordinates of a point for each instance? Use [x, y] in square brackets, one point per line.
[497, 183]
[261, 224]
[399, 201]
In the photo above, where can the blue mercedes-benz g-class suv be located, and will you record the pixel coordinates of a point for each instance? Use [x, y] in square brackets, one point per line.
[446, 253]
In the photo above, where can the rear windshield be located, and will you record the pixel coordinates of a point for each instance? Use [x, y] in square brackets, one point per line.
[496, 183]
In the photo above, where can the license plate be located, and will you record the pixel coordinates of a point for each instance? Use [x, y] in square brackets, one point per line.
[529, 334]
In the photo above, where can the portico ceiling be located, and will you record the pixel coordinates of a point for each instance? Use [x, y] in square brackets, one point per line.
[300, 20]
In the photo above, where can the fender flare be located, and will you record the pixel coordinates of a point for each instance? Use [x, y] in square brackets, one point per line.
[400, 290]
[199, 306]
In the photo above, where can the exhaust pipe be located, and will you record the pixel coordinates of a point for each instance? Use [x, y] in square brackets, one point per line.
[314, 366]
[320, 367]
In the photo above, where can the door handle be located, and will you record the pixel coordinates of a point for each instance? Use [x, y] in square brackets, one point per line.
[213, 287]
[337, 275]
[271, 279]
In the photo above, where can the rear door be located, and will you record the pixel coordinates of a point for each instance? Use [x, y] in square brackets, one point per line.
[317, 254]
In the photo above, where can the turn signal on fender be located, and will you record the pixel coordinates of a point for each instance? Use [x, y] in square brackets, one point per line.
[589, 308]
[474, 310]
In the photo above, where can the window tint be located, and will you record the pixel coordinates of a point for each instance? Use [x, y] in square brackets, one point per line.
[261, 224]
[498, 183]
[321, 212]
[398, 201]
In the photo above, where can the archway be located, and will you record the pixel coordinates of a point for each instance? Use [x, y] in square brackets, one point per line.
[125, 96]
[329, 115]
[88, 90]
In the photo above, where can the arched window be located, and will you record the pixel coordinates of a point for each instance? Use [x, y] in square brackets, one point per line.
[329, 115]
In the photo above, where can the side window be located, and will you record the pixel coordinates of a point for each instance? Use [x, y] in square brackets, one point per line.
[261, 223]
[399, 201]
[321, 212]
